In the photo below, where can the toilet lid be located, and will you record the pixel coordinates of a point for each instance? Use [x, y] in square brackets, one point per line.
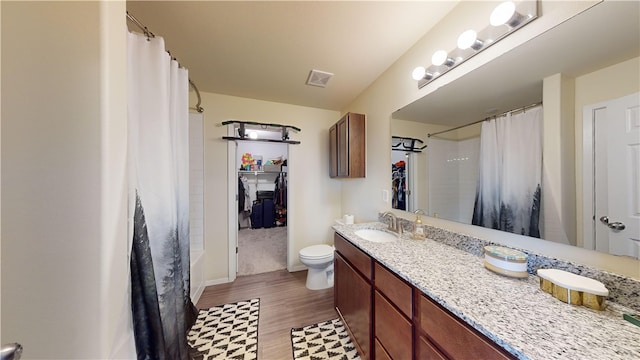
[317, 251]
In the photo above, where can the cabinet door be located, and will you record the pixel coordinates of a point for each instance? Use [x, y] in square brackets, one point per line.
[357, 145]
[333, 151]
[392, 329]
[353, 302]
[342, 128]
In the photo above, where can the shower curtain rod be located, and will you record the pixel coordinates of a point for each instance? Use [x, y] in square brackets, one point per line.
[523, 108]
[149, 34]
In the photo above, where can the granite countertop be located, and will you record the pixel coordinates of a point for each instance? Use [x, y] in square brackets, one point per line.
[515, 313]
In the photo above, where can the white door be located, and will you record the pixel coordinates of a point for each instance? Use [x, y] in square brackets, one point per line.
[612, 175]
[623, 216]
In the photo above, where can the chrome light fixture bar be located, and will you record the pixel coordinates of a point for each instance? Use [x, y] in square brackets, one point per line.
[506, 18]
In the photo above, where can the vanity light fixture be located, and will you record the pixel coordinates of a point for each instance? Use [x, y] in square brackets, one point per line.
[506, 13]
[505, 18]
[420, 73]
[469, 39]
[441, 57]
[252, 135]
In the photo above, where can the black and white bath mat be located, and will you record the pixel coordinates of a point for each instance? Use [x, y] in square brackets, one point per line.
[227, 331]
[325, 340]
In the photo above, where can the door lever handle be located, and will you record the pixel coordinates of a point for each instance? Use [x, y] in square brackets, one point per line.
[617, 226]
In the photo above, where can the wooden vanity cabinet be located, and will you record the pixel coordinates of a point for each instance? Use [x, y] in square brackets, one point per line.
[347, 148]
[441, 335]
[353, 293]
[388, 318]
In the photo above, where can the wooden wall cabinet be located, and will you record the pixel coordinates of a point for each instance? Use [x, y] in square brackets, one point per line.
[347, 147]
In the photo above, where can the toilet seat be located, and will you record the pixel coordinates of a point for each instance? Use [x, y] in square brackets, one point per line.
[317, 251]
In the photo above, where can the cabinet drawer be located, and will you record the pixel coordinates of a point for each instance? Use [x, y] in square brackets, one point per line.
[392, 329]
[381, 353]
[393, 288]
[355, 256]
[455, 339]
[426, 351]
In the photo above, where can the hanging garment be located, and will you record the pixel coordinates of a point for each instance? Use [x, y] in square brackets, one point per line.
[280, 200]
[398, 185]
[158, 114]
[241, 193]
[508, 195]
[244, 203]
[244, 195]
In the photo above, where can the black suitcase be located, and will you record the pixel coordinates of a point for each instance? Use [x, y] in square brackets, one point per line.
[268, 213]
[256, 215]
[264, 194]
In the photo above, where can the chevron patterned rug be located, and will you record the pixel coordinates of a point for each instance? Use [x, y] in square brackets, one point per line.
[227, 331]
[325, 340]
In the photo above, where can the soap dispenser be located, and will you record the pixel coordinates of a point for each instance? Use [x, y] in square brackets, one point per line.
[418, 227]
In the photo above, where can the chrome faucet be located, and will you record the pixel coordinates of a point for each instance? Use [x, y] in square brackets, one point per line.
[11, 351]
[393, 224]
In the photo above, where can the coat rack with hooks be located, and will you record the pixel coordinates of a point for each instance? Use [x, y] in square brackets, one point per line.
[407, 144]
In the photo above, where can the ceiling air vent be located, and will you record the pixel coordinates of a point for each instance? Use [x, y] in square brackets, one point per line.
[318, 78]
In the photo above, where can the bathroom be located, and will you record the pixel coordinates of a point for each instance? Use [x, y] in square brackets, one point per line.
[316, 200]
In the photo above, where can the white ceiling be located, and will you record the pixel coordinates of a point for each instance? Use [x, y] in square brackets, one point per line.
[266, 49]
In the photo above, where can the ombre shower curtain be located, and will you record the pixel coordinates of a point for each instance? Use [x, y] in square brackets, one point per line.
[508, 195]
[158, 113]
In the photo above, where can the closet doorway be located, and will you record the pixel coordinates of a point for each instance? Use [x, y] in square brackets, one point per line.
[260, 172]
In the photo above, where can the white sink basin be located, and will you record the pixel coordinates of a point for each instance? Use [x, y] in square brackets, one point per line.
[373, 235]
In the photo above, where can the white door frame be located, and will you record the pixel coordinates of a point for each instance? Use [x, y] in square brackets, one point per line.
[412, 180]
[232, 207]
[232, 204]
[588, 120]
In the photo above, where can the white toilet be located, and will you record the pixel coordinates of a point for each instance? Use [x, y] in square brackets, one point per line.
[319, 260]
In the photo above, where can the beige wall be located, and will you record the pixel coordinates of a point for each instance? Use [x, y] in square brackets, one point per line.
[314, 200]
[395, 89]
[605, 84]
[64, 210]
[558, 174]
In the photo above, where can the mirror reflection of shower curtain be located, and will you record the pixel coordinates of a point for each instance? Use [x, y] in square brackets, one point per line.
[158, 120]
[508, 195]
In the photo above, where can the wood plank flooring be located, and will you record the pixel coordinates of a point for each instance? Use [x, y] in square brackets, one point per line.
[285, 303]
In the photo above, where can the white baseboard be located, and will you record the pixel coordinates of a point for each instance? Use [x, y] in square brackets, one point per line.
[297, 268]
[196, 295]
[216, 281]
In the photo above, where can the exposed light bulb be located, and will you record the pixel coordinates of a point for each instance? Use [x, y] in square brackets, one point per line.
[466, 39]
[502, 13]
[253, 135]
[439, 57]
[418, 73]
